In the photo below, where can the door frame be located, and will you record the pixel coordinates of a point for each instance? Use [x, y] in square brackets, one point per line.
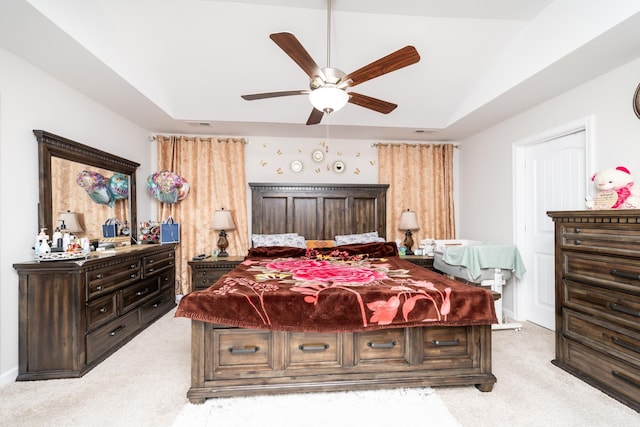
[523, 289]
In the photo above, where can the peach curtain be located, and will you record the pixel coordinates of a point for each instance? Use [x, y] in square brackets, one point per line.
[214, 168]
[67, 195]
[420, 178]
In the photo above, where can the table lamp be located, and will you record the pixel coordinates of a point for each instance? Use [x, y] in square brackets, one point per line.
[408, 222]
[223, 221]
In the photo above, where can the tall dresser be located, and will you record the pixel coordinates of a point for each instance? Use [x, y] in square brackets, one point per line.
[74, 314]
[597, 263]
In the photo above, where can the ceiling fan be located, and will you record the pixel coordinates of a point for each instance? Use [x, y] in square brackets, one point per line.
[329, 87]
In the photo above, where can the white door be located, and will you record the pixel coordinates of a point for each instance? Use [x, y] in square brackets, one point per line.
[554, 180]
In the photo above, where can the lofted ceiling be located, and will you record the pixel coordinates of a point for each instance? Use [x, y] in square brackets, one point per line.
[180, 66]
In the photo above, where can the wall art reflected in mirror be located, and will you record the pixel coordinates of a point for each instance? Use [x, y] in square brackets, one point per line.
[93, 184]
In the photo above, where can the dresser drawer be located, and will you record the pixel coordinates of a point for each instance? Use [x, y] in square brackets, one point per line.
[610, 238]
[154, 264]
[618, 307]
[135, 294]
[606, 271]
[110, 335]
[616, 378]
[448, 347]
[604, 336]
[305, 350]
[105, 279]
[101, 310]
[168, 279]
[158, 305]
[384, 346]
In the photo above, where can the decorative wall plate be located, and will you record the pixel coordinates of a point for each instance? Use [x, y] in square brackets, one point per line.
[338, 166]
[636, 101]
[296, 166]
[317, 155]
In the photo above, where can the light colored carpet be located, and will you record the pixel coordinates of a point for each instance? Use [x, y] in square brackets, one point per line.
[417, 407]
[145, 384]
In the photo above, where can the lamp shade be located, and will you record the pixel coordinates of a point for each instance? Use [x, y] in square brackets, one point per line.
[69, 221]
[408, 220]
[222, 220]
[328, 98]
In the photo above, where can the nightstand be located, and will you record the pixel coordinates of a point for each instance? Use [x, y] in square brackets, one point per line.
[207, 272]
[421, 260]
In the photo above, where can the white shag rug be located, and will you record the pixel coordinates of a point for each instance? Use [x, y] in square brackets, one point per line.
[371, 408]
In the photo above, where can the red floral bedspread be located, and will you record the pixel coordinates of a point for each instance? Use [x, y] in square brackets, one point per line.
[337, 294]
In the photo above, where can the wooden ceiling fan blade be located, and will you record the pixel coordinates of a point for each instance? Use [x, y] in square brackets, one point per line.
[315, 117]
[374, 104]
[401, 58]
[292, 47]
[254, 96]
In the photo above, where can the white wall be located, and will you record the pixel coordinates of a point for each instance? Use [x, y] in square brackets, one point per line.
[30, 99]
[485, 204]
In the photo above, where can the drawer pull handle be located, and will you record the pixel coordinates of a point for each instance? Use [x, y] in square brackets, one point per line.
[117, 330]
[244, 349]
[623, 309]
[151, 270]
[102, 310]
[151, 261]
[99, 288]
[625, 274]
[578, 242]
[100, 276]
[577, 230]
[313, 347]
[625, 378]
[133, 276]
[157, 304]
[389, 344]
[625, 344]
[142, 292]
[439, 343]
[132, 266]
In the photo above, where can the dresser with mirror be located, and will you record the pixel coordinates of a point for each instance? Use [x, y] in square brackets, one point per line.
[75, 313]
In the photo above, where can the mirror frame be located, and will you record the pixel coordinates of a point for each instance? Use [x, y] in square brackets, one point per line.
[50, 145]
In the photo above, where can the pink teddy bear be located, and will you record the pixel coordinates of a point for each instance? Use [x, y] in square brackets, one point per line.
[620, 181]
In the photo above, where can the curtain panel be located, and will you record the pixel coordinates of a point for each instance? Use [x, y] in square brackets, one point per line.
[420, 178]
[214, 168]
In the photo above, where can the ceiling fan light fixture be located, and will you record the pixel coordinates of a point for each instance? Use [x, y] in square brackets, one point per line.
[328, 99]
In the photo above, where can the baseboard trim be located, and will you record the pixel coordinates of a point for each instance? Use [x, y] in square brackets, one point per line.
[9, 376]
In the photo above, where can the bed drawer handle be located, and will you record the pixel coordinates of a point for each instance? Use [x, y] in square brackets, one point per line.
[313, 347]
[102, 310]
[625, 379]
[625, 344]
[577, 230]
[439, 343]
[389, 344]
[577, 242]
[625, 274]
[117, 330]
[623, 309]
[244, 349]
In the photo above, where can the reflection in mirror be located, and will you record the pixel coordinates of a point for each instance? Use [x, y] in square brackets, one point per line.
[61, 161]
[94, 203]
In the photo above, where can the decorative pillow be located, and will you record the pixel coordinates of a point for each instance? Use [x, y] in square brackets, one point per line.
[358, 238]
[374, 250]
[276, 252]
[284, 239]
[321, 243]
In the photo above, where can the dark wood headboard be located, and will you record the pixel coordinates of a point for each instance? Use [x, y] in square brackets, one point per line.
[319, 211]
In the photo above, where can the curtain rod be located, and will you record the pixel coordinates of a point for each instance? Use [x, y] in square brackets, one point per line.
[390, 144]
[190, 138]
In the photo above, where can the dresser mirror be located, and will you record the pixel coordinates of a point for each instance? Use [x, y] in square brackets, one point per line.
[60, 162]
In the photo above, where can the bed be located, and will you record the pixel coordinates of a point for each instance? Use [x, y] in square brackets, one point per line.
[351, 317]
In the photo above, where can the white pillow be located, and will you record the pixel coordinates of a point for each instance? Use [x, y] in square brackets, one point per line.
[285, 239]
[347, 239]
